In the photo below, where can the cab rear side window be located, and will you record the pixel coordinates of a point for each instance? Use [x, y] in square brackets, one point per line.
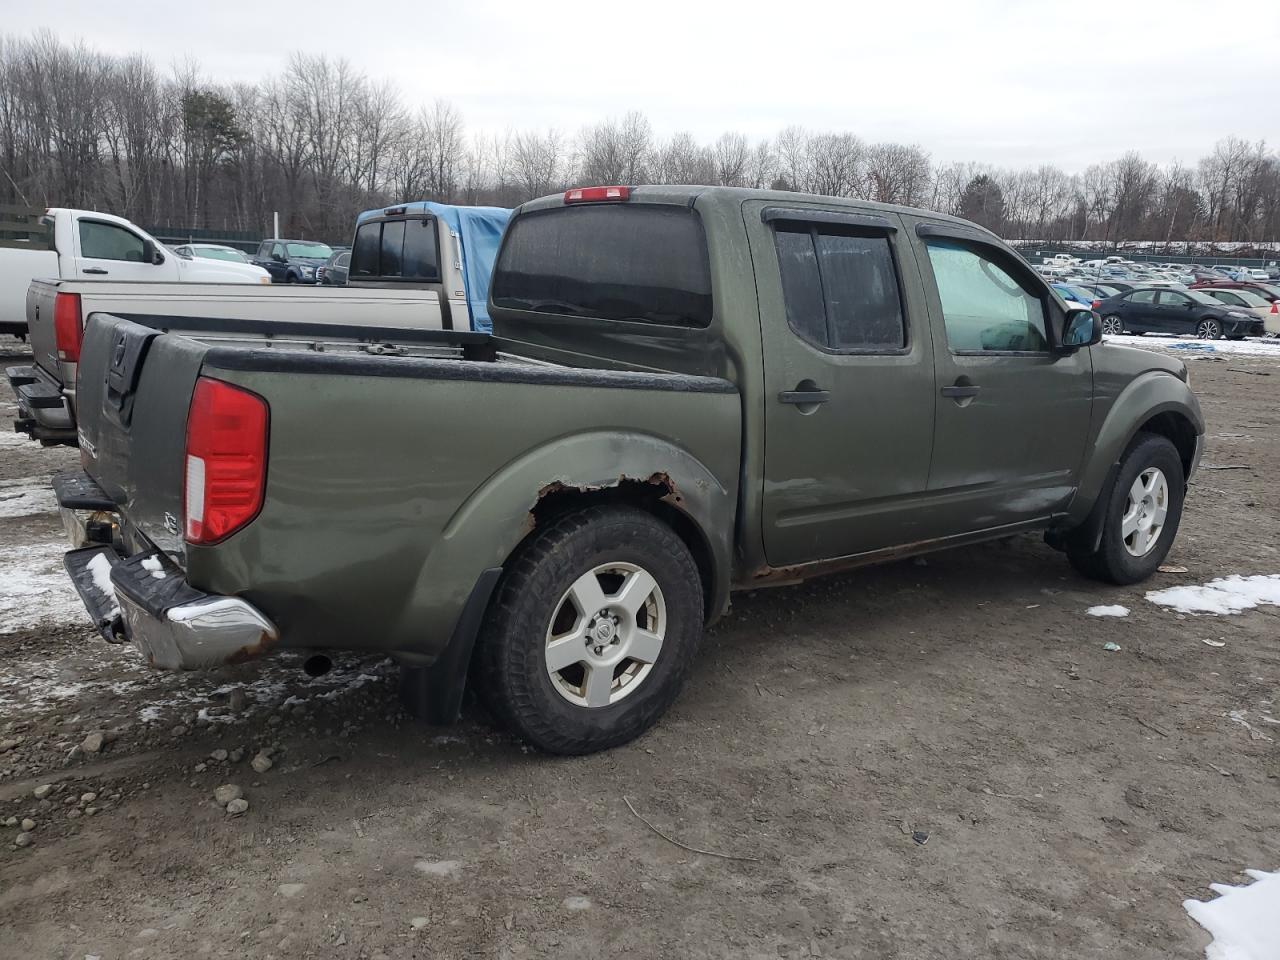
[403, 249]
[841, 287]
[632, 262]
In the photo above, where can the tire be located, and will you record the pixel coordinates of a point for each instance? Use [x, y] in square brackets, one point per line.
[538, 599]
[1209, 329]
[1112, 326]
[1121, 558]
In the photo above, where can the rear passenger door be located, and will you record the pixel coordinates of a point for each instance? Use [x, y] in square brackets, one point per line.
[848, 368]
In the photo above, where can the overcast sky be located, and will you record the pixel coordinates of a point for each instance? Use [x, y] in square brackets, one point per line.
[1009, 83]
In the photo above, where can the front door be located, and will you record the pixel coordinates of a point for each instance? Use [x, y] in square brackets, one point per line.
[109, 251]
[1012, 415]
[848, 368]
[1175, 312]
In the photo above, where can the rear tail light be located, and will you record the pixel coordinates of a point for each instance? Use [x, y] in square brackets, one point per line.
[226, 460]
[1275, 306]
[67, 332]
[1096, 304]
[596, 194]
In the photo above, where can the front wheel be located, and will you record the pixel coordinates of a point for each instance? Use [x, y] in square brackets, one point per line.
[1209, 329]
[1143, 509]
[1112, 326]
[592, 631]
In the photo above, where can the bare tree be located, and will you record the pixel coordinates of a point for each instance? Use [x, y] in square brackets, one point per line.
[896, 173]
[537, 162]
[836, 164]
[730, 154]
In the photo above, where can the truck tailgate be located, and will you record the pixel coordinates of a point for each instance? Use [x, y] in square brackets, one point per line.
[135, 389]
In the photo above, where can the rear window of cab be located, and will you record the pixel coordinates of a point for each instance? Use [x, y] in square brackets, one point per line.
[642, 263]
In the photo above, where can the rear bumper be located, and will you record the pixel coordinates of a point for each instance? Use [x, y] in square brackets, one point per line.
[145, 599]
[44, 410]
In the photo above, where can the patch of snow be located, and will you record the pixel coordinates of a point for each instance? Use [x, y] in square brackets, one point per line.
[1244, 921]
[153, 565]
[1222, 596]
[34, 588]
[26, 497]
[25, 684]
[16, 440]
[1114, 610]
[100, 567]
[1253, 347]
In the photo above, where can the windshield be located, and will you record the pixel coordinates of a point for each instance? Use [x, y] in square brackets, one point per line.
[221, 253]
[1252, 299]
[1204, 298]
[319, 251]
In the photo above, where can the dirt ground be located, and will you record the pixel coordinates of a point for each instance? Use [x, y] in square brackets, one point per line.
[1069, 797]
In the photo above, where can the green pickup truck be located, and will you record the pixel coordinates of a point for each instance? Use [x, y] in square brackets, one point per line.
[688, 391]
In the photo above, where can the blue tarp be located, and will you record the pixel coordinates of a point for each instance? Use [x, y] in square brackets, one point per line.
[478, 229]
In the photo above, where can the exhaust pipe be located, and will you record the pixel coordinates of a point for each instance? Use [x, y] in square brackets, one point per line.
[317, 665]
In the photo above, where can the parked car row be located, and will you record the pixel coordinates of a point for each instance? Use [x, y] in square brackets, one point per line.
[1149, 298]
[1062, 266]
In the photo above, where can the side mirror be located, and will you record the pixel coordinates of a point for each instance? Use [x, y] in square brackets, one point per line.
[1082, 328]
[278, 257]
[148, 252]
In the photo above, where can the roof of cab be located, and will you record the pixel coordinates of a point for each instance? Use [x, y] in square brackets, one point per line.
[688, 195]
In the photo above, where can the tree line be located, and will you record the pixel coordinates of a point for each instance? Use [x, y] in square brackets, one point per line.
[322, 141]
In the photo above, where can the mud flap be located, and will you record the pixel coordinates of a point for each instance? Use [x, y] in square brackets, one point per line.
[434, 694]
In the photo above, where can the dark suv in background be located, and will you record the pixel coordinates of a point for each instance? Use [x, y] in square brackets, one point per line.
[333, 272]
[1159, 310]
[292, 261]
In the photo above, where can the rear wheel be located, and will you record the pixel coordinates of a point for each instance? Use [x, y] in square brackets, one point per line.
[1112, 326]
[1209, 329]
[592, 631]
[1143, 509]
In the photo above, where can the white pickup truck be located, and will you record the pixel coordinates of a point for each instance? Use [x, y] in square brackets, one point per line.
[83, 245]
[415, 267]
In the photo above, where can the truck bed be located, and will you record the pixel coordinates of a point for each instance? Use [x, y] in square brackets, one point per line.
[396, 474]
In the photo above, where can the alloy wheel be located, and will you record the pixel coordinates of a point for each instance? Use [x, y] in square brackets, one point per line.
[605, 634]
[1145, 509]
